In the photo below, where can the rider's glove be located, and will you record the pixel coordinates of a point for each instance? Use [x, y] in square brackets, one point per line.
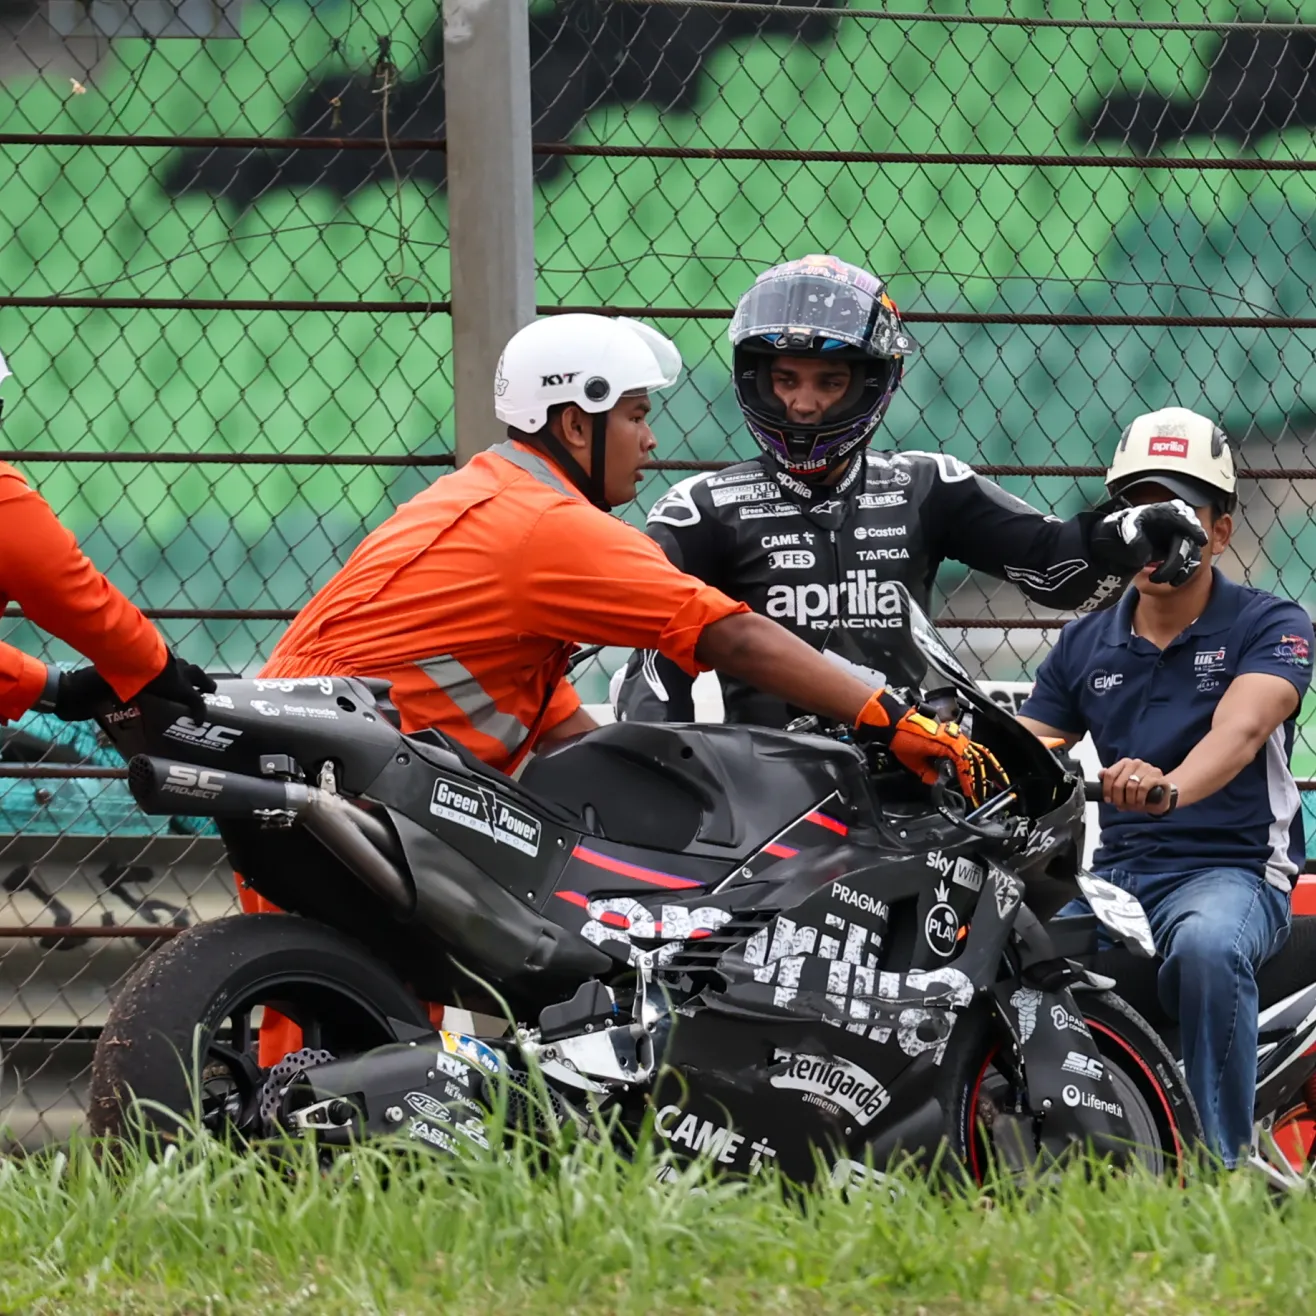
[75, 696]
[183, 682]
[1166, 532]
[922, 744]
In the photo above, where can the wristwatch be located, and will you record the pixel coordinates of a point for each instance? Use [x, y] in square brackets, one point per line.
[1174, 800]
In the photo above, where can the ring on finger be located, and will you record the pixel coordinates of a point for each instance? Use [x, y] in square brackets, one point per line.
[1135, 778]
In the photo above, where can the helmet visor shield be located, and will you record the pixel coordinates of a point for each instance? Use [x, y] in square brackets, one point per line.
[818, 309]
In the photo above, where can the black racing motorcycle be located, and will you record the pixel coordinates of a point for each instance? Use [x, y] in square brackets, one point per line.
[767, 947]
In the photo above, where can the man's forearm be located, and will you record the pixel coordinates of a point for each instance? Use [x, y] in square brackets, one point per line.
[575, 725]
[757, 651]
[1214, 762]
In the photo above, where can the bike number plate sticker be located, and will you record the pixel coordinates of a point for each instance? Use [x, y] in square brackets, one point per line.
[472, 1050]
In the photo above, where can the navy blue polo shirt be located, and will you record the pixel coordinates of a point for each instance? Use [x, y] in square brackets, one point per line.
[1140, 702]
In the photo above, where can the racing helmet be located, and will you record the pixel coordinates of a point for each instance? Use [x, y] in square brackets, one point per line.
[589, 361]
[817, 306]
[1184, 452]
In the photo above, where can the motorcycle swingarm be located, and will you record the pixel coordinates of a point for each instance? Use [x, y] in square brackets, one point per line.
[420, 1090]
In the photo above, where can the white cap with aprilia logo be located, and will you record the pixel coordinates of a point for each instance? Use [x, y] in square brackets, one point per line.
[1186, 453]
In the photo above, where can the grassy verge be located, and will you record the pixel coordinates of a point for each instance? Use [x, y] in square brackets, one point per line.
[381, 1232]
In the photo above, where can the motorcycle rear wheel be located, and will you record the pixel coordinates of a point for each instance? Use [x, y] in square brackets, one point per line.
[180, 1041]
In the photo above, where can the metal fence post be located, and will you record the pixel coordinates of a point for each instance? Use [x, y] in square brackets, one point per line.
[486, 69]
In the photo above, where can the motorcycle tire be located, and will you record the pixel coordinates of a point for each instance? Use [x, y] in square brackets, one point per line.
[216, 974]
[1147, 1074]
[1142, 1068]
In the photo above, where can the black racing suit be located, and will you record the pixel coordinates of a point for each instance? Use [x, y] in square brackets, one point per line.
[817, 560]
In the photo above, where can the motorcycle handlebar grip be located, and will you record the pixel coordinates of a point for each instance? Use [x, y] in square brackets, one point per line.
[1092, 793]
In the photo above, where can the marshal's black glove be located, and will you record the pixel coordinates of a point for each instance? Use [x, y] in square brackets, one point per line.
[1169, 533]
[183, 682]
[75, 696]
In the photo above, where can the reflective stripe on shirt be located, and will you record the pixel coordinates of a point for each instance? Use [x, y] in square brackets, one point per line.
[470, 696]
[532, 464]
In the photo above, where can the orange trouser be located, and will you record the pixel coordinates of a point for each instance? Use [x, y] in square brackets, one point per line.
[278, 1034]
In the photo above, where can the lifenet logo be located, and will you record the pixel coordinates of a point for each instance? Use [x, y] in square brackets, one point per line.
[1162, 445]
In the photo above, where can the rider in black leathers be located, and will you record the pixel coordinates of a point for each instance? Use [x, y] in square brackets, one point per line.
[812, 531]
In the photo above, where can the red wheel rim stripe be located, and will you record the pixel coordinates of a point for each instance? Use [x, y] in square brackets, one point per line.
[1156, 1083]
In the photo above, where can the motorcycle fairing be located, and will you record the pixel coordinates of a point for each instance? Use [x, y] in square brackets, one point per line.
[311, 719]
[1064, 1076]
[715, 792]
[790, 1091]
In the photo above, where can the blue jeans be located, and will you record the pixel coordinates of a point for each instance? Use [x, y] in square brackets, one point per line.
[1213, 927]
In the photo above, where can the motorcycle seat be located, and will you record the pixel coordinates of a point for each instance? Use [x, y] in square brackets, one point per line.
[441, 752]
[1289, 971]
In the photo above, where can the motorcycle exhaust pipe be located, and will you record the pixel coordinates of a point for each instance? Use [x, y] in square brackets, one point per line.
[166, 786]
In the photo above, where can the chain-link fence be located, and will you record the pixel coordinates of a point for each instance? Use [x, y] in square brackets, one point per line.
[225, 295]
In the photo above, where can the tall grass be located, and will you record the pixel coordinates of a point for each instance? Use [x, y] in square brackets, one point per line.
[397, 1231]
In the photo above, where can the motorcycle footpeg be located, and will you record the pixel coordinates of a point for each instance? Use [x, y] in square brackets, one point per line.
[592, 1006]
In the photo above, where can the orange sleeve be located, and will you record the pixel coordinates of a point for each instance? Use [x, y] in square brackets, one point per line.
[564, 702]
[582, 575]
[22, 679]
[44, 571]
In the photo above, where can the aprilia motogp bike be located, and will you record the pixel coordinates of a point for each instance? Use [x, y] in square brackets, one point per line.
[768, 948]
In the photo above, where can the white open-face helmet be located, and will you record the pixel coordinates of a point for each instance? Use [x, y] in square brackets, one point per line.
[1186, 453]
[589, 360]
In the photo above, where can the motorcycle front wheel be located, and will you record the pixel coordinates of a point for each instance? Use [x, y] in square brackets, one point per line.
[1149, 1084]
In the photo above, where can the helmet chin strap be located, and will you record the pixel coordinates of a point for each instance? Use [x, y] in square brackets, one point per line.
[591, 482]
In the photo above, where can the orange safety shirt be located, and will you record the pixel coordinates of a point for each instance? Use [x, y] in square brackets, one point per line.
[472, 596]
[44, 571]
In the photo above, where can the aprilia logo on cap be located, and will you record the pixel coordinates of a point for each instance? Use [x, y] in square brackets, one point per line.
[1164, 446]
